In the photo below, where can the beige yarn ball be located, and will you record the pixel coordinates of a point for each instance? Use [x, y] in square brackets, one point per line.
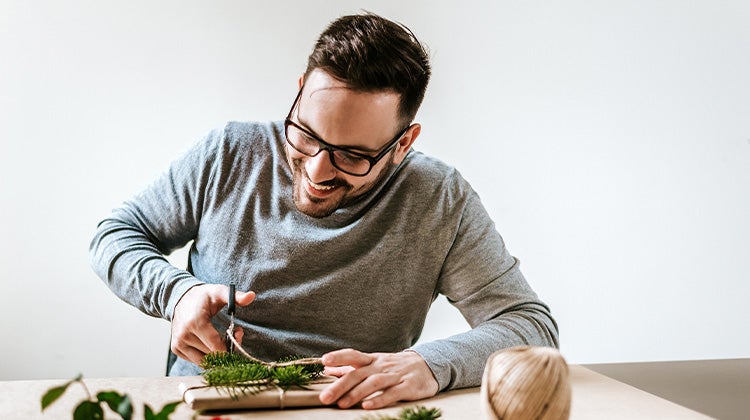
[526, 382]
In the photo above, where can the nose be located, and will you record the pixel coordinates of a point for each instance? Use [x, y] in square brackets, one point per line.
[319, 168]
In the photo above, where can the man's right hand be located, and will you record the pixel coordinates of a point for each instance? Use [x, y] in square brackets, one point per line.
[193, 335]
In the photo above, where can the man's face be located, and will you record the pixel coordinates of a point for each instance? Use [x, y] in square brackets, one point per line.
[361, 121]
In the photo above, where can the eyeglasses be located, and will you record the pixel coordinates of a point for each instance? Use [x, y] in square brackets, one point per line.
[343, 159]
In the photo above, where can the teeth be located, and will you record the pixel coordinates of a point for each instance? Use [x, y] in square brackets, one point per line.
[320, 187]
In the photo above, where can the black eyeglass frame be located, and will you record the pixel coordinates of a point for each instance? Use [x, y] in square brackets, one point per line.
[323, 145]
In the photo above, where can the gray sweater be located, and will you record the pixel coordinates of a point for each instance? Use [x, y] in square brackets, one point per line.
[363, 277]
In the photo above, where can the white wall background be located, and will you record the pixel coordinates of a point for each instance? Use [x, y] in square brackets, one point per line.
[610, 141]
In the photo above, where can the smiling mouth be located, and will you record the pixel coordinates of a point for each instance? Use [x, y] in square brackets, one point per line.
[320, 187]
[319, 191]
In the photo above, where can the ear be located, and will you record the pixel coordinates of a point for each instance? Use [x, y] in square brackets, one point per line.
[406, 142]
[301, 81]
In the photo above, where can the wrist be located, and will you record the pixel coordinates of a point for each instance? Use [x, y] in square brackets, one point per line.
[179, 290]
[434, 385]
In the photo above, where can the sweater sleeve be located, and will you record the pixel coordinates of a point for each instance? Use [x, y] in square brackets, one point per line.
[128, 248]
[482, 280]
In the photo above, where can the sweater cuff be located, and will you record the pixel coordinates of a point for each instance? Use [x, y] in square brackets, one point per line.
[441, 367]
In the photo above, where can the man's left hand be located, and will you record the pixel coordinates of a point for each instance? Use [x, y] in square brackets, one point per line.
[402, 376]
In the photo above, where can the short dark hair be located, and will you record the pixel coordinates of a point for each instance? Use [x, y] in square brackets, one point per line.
[371, 53]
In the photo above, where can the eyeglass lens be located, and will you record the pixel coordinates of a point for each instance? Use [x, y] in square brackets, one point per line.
[351, 164]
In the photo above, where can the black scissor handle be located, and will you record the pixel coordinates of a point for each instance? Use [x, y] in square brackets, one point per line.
[230, 308]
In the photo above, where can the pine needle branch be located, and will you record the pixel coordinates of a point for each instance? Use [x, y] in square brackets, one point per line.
[417, 412]
[238, 375]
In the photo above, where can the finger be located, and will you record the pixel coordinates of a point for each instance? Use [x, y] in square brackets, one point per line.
[343, 385]
[210, 339]
[201, 335]
[188, 353]
[190, 340]
[389, 396]
[184, 337]
[193, 355]
[337, 371]
[238, 334]
[368, 387]
[347, 357]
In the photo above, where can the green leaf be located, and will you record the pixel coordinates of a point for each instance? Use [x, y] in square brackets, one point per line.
[148, 413]
[167, 410]
[120, 404]
[125, 409]
[53, 394]
[88, 410]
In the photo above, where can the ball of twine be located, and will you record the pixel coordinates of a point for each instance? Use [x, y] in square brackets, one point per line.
[526, 383]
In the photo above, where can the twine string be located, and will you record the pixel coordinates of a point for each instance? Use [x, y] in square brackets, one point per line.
[238, 347]
[526, 383]
[282, 394]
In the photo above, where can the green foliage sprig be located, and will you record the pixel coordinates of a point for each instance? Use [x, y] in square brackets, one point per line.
[92, 409]
[417, 412]
[237, 375]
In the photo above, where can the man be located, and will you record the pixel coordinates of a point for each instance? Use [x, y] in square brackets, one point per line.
[340, 233]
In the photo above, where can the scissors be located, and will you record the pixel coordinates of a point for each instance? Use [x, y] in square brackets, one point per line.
[230, 311]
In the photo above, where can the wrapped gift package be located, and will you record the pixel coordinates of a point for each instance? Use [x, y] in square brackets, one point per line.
[202, 397]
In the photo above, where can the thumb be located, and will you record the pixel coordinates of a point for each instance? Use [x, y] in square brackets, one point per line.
[244, 298]
[220, 297]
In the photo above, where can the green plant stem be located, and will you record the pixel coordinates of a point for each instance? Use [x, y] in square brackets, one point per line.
[85, 388]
